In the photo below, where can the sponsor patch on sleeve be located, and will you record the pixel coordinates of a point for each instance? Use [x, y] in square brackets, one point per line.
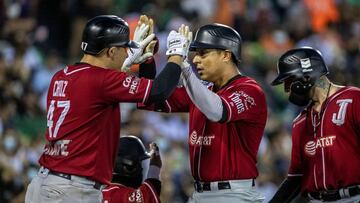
[242, 101]
[132, 83]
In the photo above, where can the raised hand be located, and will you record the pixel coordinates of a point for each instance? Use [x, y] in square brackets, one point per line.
[155, 158]
[143, 35]
[178, 42]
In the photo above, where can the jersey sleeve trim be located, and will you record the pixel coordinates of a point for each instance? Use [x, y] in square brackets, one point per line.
[147, 92]
[228, 107]
[152, 191]
[74, 71]
[109, 188]
[294, 175]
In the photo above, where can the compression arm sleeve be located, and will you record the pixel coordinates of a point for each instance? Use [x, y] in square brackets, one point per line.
[288, 190]
[209, 103]
[147, 69]
[164, 83]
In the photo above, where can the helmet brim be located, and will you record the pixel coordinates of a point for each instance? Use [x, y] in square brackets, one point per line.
[132, 44]
[198, 45]
[279, 79]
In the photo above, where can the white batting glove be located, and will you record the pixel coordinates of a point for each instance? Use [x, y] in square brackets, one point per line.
[137, 55]
[141, 36]
[178, 42]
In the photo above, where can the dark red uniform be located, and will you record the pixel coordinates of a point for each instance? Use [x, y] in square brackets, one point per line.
[225, 151]
[326, 150]
[146, 193]
[83, 119]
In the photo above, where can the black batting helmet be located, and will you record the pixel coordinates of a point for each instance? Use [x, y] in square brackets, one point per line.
[105, 31]
[130, 155]
[218, 36]
[304, 64]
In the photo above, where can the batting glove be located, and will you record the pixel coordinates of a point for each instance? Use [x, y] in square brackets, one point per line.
[137, 55]
[178, 42]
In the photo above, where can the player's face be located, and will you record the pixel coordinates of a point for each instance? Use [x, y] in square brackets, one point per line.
[117, 56]
[121, 55]
[208, 63]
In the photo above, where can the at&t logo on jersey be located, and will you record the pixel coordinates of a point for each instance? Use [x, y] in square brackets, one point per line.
[311, 146]
[200, 140]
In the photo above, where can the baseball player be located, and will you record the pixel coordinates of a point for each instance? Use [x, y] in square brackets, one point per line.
[83, 113]
[227, 115]
[325, 161]
[130, 170]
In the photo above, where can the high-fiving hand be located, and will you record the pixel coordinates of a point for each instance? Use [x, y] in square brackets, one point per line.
[143, 35]
[178, 42]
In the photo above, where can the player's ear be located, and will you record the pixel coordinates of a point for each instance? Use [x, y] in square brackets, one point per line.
[227, 55]
[111, 52]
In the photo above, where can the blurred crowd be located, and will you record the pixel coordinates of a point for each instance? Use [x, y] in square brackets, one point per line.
[38, 37]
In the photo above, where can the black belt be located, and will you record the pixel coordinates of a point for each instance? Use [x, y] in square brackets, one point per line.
[97, 185]
[334, 195]
[206, 186]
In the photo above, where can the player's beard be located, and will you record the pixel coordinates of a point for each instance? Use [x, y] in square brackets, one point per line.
[300, 96]
[299, 99]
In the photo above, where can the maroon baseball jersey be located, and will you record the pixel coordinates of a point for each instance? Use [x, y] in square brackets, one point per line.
[225, 151]
[83, 119]
[116, 193]
[326, 144]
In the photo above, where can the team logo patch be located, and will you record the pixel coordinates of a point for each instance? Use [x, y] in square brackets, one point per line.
[305, 65]
[311, 146]
[339, 117]
[242, 101]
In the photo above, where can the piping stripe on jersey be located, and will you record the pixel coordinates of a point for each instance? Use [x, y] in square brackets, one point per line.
[146, 92]
[322, 131]
[193, 165]
[322, 149]
[323, 163]
[316, 185]
[295, 175]
[108, 189]
[199, 160]
[152, 191]
[168, 105]
[74, 71]
[199, 163]
[296, 121]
